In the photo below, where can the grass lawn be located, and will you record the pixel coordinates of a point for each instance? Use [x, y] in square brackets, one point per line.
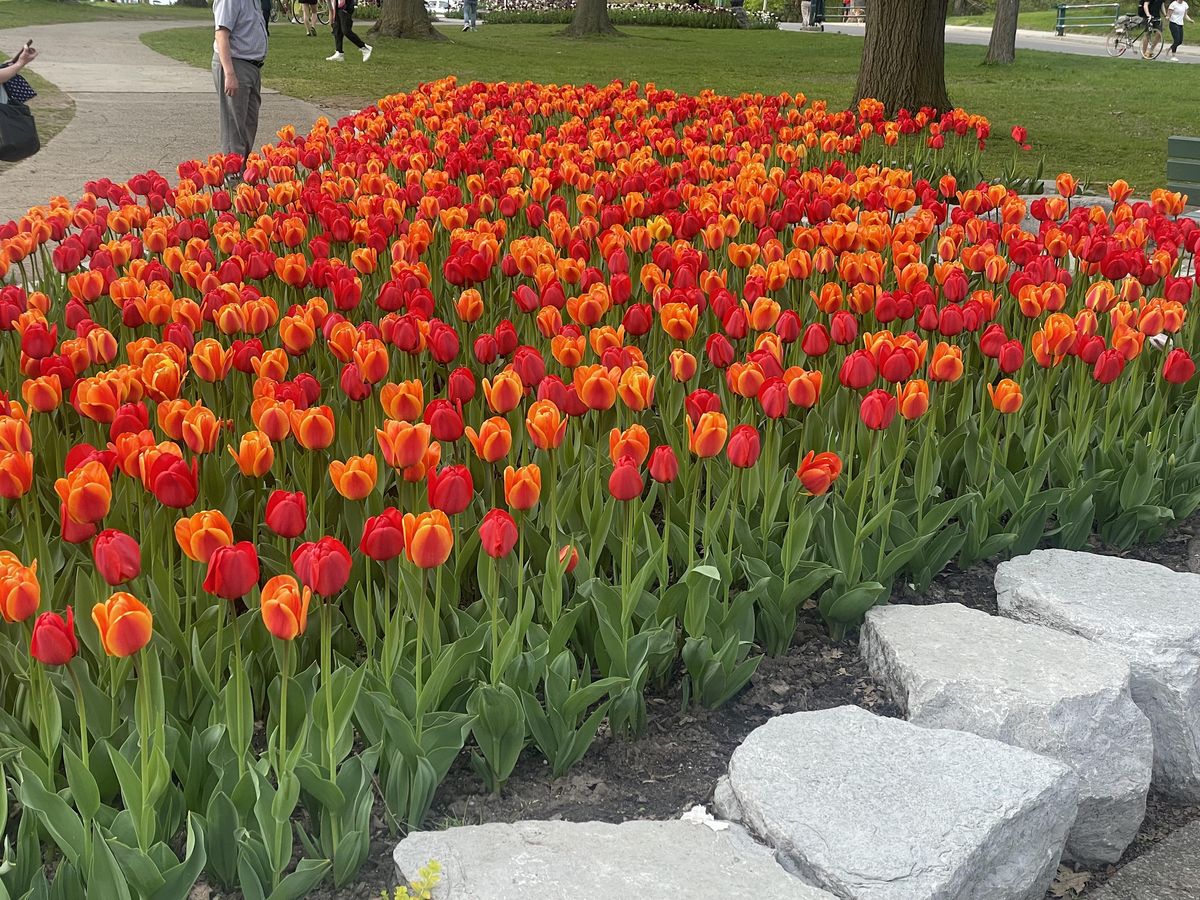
[1034, 19]
[1100, 118]
[18, 13]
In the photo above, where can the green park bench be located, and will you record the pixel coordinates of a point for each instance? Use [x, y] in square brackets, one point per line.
[1086, 15]
[1183, 167]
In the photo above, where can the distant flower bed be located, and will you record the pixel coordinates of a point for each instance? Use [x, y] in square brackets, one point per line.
[560, 12]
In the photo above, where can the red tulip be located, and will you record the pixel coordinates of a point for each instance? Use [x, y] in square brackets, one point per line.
[1109, 365]
[54, 642]
[858, 371]
[117, 556]
[451, 489]
[498, 534]
[625, 482]
[700, 401]
[232, 571]
[664, 466]
[1178, 368]
[878, 409]
[173, 482]
[287, 513]
[568, 558]
[383, 535]
[744, 446]
[444, 420]
[773, 397]
[74, 532]
[322, 565]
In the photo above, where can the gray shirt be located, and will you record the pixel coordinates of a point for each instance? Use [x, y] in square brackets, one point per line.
[243, 19]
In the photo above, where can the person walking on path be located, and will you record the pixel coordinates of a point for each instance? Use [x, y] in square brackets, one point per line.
[308, 17]
[1177, 12]
[343, 27]
[470, 12]
[240, 48]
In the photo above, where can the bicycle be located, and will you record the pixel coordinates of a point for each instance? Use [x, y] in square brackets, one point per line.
[290, 10]
[1126, 34]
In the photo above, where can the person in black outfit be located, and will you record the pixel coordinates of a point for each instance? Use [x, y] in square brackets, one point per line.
[1151, 11]
[343, 27]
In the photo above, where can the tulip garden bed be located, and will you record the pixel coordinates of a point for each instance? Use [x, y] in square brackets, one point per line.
[445, 439]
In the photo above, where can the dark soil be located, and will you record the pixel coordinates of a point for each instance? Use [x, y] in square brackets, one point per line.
[675, 765]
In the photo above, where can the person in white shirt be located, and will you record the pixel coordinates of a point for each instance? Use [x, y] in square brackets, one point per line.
[1177, 12]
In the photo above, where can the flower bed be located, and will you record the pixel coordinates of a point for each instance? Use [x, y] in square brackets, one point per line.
[537, 398]
[561, 12]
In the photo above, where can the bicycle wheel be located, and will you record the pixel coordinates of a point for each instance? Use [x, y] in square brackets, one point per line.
[297, 12]
[1152, 44]
[323, 12]
[1115, 43]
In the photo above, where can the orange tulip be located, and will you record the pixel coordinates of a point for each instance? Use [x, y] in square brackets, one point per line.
[43, 394]
[493, 440]
[804, 387]
[913, 399]
[1006, 396]
[124, 623]
[707, 436]
[404, 402]
[355, 478]
[469, 305]
[254, 455]
[596, 386]
[679, 320]
[428, 538]
[402, 443]
[818, 471]
[636, 388]
[946, 364]
[546, 424]
[313, 427]
[272, 418]
[201, 429]
[522, 487]
[15, 435]
[210, 361]
[20, 590]
[86, 492]
[633, 443]
[16, 474]
[170, 415]
[284, 607]
[200, 535]
[683, 365]
[504, 392]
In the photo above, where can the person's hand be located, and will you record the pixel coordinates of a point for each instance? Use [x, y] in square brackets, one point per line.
[27, 55]
[231, 82]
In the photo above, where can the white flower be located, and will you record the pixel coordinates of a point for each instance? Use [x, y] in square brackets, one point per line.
[701, 816]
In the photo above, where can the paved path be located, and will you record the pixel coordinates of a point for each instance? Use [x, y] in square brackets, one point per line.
[1171, 871]
[1078, 44]
[135, 110]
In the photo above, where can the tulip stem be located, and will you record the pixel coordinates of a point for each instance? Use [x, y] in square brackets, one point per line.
[327, 685]
[418, 681]
[868, 474]
[692, 520]
[733, 505]
[285, 669]
[627, 575]
[81, 709]
[666, 554]
[494, 602]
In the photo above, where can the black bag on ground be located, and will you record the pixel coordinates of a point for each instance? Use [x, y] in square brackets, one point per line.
[18, 132]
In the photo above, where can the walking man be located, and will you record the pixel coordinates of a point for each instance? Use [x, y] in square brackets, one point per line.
[239, 50]
[343, 27]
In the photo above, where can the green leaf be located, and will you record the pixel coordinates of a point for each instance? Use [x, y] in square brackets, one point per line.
[84, 792]
[178, 881]
[105, 878]
[307, 875]
[63, 824]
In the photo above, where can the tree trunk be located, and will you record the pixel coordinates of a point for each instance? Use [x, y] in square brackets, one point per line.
[1002, 48]
[591, 18]
[904, 55]
[405, 19]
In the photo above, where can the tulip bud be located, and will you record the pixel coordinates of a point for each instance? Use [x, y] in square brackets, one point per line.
[124, 623]
[744, 446]
[232, 571]
[117, 556]
[664, 466]
[383, 536]
[323, 566]
[285, 607]
[54, 642]
[498, 534]
[625, 482]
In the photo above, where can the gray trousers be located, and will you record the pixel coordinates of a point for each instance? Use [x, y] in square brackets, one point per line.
[239, 113]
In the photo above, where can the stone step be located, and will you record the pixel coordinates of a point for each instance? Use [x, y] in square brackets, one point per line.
[871, 808]
[1171, 871]
[948, 666]
[1148, 614]
[598, 861]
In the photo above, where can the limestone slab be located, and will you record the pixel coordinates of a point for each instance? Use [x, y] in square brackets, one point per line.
[552, 860]
[1148, 614]
[871, 808]
[948, 666]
